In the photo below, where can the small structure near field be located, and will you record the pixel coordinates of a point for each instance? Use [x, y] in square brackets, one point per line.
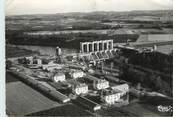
[80, 89]
[98, 84]
[116, 95]
[58, 77]
[52, 66]
[101, 84]
[76, 74]
[123, 87]
[110, 97]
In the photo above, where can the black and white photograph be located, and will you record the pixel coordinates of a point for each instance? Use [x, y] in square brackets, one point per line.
[110, 58]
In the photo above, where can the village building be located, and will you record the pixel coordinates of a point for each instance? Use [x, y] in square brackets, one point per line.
[51, 67]
[124, 88]
[76, 74]
[58, 77]
[116, 95]
[101, 84]
[80, 89]
[110, 97]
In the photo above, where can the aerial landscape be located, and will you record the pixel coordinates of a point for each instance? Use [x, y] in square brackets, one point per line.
[100, 63]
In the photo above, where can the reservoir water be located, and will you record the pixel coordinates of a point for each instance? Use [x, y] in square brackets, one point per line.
[158, 38]
[45, 50]
[48, 50]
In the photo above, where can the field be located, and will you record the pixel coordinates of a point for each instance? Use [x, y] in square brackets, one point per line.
[66, 110]
[138, 108]
[148, 106]
[22, 99]
[167, 49]
[10, 78]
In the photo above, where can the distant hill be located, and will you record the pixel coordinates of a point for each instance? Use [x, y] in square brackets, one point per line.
[97, 14]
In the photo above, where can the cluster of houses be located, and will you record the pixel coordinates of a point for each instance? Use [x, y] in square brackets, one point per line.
[108, 94]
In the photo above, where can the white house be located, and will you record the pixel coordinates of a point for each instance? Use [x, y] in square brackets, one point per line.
[80, 89]
[110, 97]
[101, 84]
[76, 74]
[58, 77]
[51, 66]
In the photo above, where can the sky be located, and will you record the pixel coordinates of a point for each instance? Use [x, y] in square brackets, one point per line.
[20, 7]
